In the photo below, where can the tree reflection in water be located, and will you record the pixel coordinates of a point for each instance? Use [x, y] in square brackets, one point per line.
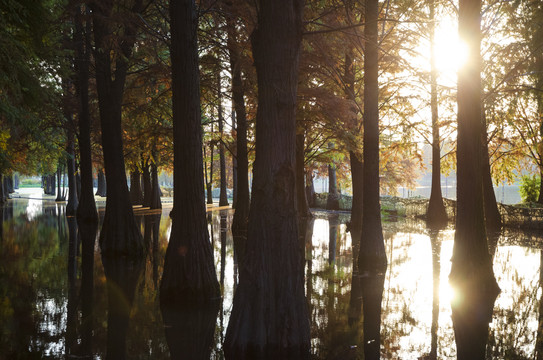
[122, 274]
[37, 285]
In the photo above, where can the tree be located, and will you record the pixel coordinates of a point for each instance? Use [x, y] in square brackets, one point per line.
[239, 222]
[86, 210]
[120, 234]
[372, 248]
[189, 273]
[436, 214]
[471, 268]
[269, 315]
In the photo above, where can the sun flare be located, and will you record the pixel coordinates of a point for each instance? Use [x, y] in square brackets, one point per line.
[450, 51]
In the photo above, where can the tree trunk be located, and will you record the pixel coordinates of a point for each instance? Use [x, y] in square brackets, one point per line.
[189, 274]
[59, 179]
[372, 247]
[101, 189]
[72, 205]
[209, 183]
[269, 317]
[86, 209]
[147, 187]
[357, 167]
[355, 225]
[155, 202]
[239, 222]
[223, 197]
[493, 220]
[3, 196]
[120, 234]
[332, 201]
[135, 187]
[309, 189]
[436, 215]
[471, 268]
[303, 206]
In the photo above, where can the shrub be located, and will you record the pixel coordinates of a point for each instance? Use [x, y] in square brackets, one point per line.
[529, 188]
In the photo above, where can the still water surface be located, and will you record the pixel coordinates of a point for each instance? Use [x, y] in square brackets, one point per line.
[42, 292]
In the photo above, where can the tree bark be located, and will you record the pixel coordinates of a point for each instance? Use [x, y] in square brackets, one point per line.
[332, 201]
[269, 317]
[303, 206]
[101, 189]
[436, 215]
[86, 211]
[60, 197]
[189, 274]
[147, 187]
[239, 222]
[155, 202]
[209, 183]
[357, 166]
[372, 247]
[136, 194]
[223, 197]
[355, 225]
[493, 220]
[471, 269]
[309, 189]
[120, 234]
[71, 207]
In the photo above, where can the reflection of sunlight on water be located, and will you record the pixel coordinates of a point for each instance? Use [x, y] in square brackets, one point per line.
[34, 208]
[517, 271]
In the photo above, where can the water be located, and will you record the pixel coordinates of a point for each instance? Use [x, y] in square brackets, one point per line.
[41, 290]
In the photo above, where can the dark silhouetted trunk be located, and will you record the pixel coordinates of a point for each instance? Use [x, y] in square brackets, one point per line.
[436, 214]
[3, 193]
[209, 180]
[60, 195]
[332, 201]
[310, 189]
[355, 225]
[239, 222]
[269, 317]
[471, 269]
[147, 186]
[101, 189]
[136, 194]
[122, 277]
[155, 202]
[303, 206]
[357, 167]
[73, 202]
[189, 274]
[372, 247]
[223, 197]
[86, 209]
[493, 220]
[119, 234]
